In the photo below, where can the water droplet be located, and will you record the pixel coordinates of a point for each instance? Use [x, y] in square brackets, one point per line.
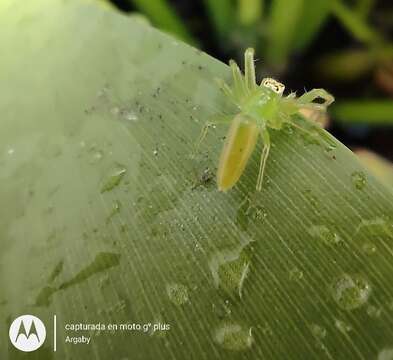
[130, 116]
[342, 326]
[103, 92]
[96, 156]
[232, 336]
[155, 152]
[115, 210]
[369, 248]
[330, 147]
[374, 228]
[318, 331]
[374, 311]
[10, 151]
[359, 180]
[115, 110]
[247, 212]
[114, 179]
[229, 269]
[351, 291]
[295, 274]
[328, 236]
[385, 354]
[177, 293]
[101, 262]
[257, 212]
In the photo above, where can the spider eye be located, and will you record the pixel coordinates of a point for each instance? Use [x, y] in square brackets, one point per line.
[273, 85]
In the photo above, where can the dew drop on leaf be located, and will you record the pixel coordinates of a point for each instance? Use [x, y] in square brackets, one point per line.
[96, 156]
[177, 293]
[374, 311]
[230, 269]
[113, 179]
[369, 248]
[359, 180]
[232, 336]
[295, 274]
[322, 232]
[342, 326]
[350, 291]
[318, 331]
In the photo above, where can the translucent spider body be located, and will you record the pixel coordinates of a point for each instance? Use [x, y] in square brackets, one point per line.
[260, 107]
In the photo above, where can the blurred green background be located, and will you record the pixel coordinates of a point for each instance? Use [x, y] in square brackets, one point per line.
[344, 46]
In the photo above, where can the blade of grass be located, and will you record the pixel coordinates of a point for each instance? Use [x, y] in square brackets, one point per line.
[162, 15]
[364, 111]
[355, 24]
[313, 16]
[250, 11]
[221, 13]
[351, 64]
[346, 65]
[363, 7]
[283, 19]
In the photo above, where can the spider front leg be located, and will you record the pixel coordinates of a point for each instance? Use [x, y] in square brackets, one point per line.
[307, 99]
[264, 155]
[220, 119]
[249, 69]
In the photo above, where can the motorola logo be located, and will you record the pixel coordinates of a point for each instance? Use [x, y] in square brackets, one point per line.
[27, 333]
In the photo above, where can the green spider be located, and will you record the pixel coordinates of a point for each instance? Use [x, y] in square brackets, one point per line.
[260, 108]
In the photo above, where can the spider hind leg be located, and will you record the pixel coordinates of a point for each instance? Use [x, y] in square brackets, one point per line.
[307, 99]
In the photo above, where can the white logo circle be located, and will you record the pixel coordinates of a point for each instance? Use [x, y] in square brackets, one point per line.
[27, 333]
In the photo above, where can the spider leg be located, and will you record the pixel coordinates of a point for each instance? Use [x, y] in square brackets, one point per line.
[249, 69]
[227, 90]
[319, 132]
[307, 99]
[219, 119]
[264, 155]
[239, 85]
[297, 126]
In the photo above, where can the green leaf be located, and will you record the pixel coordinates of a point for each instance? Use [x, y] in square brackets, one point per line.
[364, 111]
[164, 17]
[302, 270]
